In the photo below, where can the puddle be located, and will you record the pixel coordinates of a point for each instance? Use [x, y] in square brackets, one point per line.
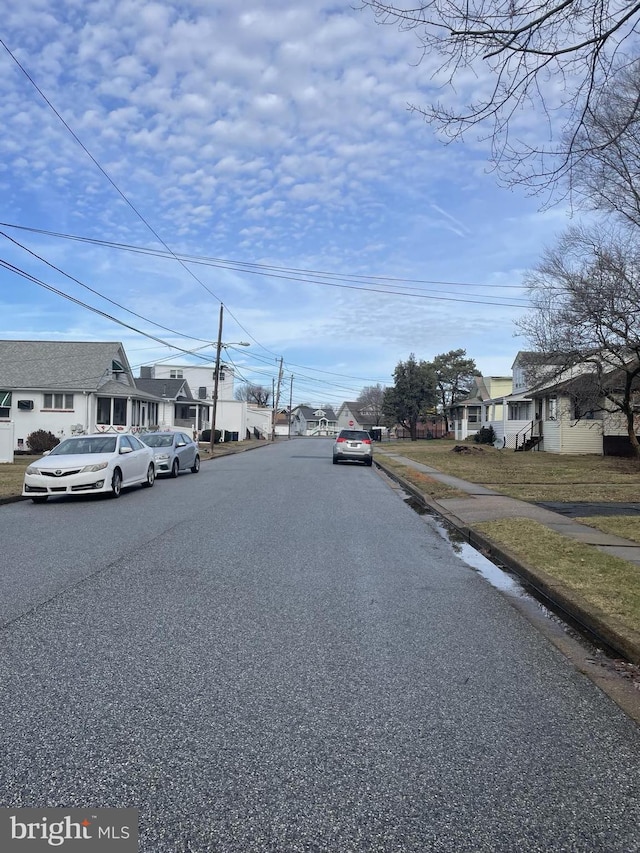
[519, 591]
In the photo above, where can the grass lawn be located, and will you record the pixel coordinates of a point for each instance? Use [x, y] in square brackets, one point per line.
[607, 583]
[627, 526]
[531, 476]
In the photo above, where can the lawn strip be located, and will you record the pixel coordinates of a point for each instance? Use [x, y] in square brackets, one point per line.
[423, 482]
[627, 526]
[608, 584]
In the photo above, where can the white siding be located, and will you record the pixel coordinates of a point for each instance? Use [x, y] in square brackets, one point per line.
[551, 437]
[581, 436]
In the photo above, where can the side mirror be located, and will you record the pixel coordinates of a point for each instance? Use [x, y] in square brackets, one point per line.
[125, 450]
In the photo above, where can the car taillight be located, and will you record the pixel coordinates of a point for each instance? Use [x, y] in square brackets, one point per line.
[340, 440]
[366, 441]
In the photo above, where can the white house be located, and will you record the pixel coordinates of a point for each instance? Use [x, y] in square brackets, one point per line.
[195, 411]
[306, 420]
[68, 387]
[466, 416]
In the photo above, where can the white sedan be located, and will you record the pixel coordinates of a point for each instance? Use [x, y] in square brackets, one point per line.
[90, 464]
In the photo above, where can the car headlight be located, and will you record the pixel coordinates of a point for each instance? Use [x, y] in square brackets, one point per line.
[99, 466]
[162, 457]
[31, 470]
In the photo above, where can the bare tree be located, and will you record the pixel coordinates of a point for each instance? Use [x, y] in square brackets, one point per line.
[255, 394]
[552, 58]
[585, 320]
[606, 161]
[371, 400]
[454, 375]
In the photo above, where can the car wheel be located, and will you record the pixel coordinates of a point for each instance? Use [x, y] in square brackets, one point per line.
[151, 477]
[40, 500]
[116, 483]
[335, 461]
[369, 462]
[196, 464]
[175, 468]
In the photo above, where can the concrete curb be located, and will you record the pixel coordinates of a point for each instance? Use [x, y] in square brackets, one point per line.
[601, 626]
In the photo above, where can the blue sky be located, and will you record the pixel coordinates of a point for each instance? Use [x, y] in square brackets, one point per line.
[262, 154]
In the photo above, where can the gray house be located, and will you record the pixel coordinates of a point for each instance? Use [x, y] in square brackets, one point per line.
[69, 387]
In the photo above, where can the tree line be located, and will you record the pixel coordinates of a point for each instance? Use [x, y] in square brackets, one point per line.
[420, 390]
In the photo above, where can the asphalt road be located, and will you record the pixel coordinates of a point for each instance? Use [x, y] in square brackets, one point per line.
[278, 655]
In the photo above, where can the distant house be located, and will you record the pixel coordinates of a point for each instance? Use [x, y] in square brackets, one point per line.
[466, 416]
[354, 416]
[68, 387]
[306, 420]
[193, 407]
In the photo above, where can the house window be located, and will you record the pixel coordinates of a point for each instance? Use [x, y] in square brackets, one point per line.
[5, 404]
[176, 374]
[111, 411]
[58, 401]
[474, 414]
[552, 408]
[520, 411]
[119, 411]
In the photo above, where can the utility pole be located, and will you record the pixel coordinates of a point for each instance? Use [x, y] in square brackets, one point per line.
[276, 403]
[290, 404]
[216, 377]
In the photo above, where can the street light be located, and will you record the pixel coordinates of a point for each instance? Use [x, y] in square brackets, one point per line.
[216, 376]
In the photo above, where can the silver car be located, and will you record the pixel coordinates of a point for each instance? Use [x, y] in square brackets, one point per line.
[353, 445]
[90, 464]
[173, 452]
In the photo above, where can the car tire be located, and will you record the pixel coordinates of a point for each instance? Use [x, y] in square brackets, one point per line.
[369, 462]
[151, 477]
[40, 499]
[196, 465]
[175, 468]
[335, 461]
[116, 484]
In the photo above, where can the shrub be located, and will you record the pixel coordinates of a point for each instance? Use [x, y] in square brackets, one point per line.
[485, 435]
[41, 440]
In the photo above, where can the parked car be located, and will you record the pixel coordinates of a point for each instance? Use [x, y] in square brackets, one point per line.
[173, 452]
[90, 464]
[353, 445]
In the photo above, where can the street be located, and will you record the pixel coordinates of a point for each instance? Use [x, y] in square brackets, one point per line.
[277, 654]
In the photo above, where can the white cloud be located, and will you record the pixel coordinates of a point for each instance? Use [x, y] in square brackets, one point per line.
[272, 133]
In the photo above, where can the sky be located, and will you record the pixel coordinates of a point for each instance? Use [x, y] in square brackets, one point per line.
[158, 159]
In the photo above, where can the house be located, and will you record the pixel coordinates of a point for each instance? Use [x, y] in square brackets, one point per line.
[546, 414]
[354, 416]
[195, 412]
[178, 409]
[282, 423]
[306, 420]
[565, 423]
[69, 387]
[466, 416]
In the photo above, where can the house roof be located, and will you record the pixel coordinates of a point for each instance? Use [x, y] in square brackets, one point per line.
[59, 365]
[171, 389]
[308, 412]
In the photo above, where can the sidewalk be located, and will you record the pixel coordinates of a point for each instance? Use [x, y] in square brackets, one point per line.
[482, 504]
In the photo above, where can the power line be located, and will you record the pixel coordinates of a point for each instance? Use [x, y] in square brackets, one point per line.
[392, 286]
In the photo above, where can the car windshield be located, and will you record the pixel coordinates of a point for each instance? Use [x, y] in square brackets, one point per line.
[354, 434]
[87, 444]
[158, 440]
